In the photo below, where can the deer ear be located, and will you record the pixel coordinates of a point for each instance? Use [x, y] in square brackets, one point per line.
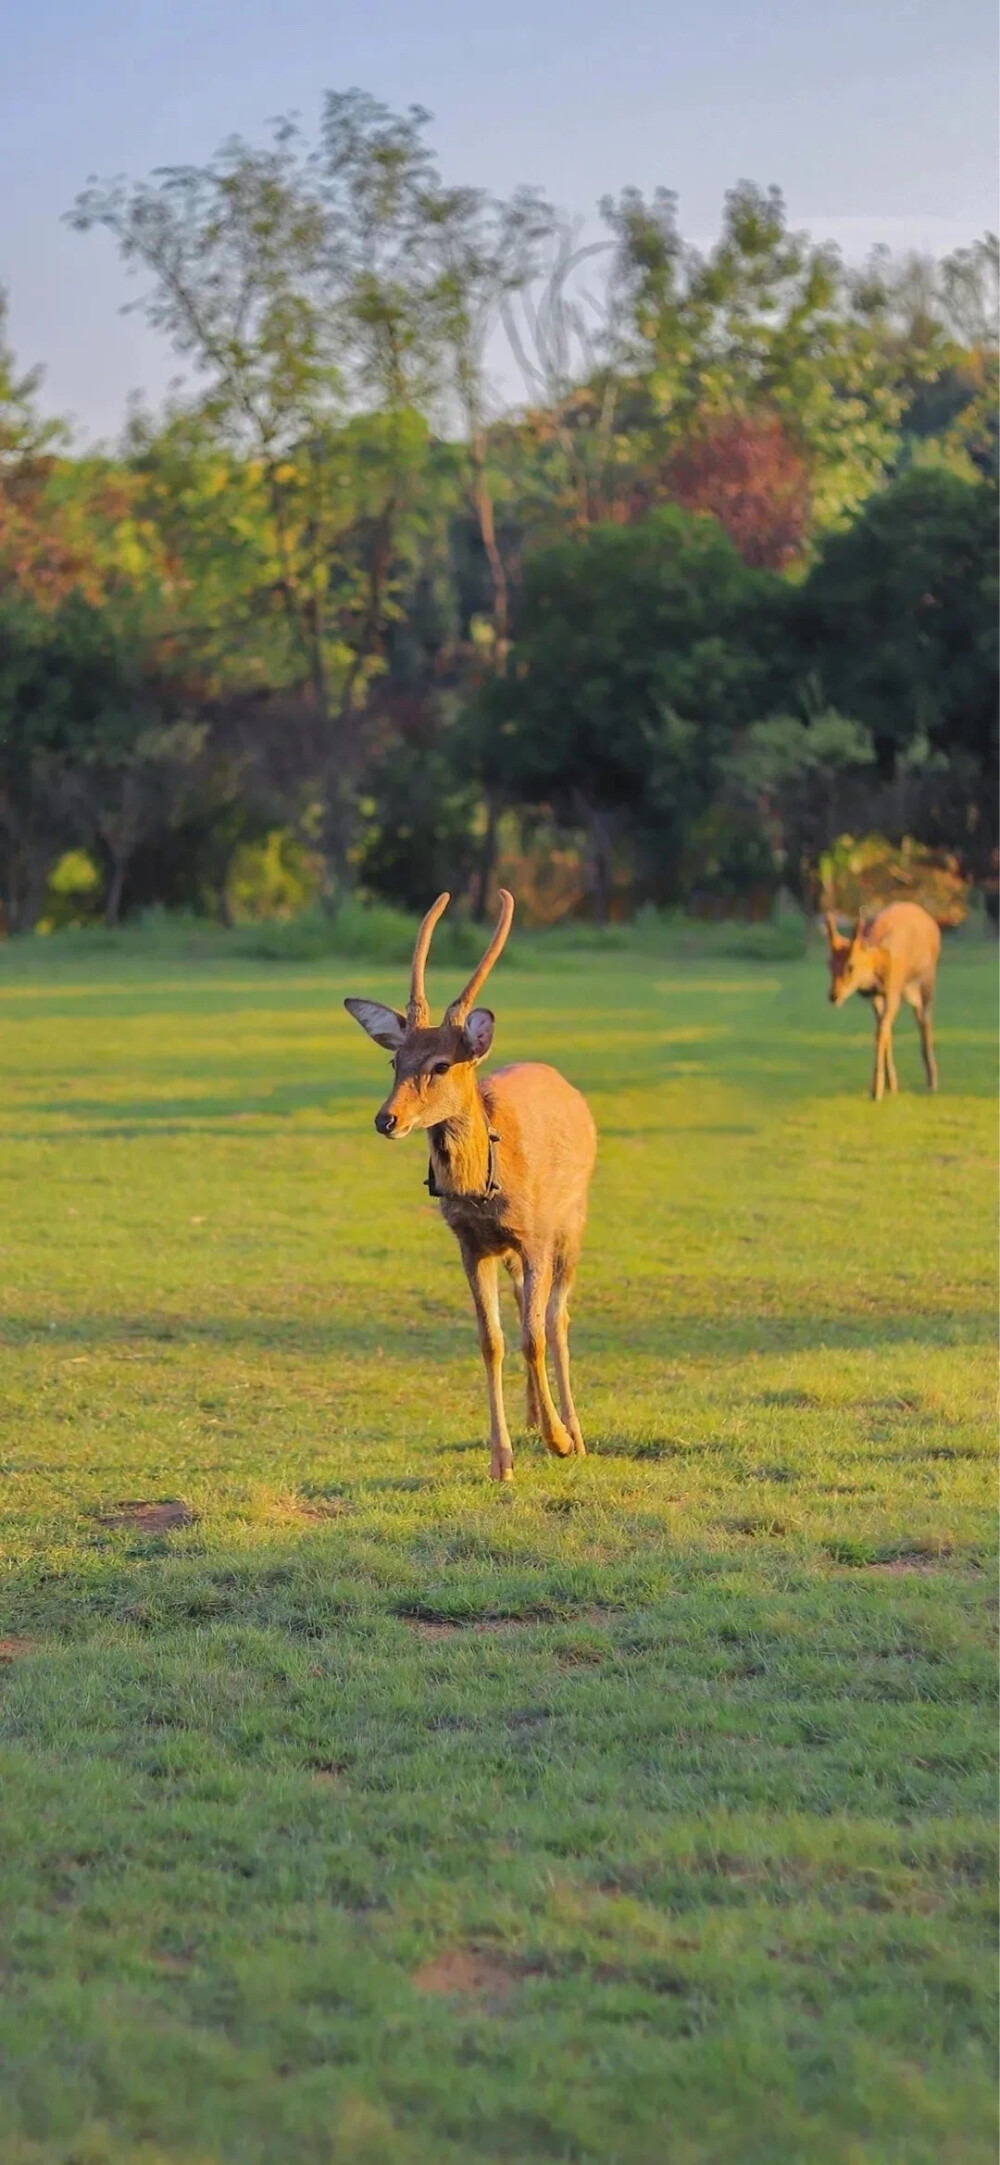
[382, 1023]
[478, 1031]
[833, 933]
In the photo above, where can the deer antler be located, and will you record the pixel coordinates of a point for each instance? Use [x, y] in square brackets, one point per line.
[418, 1013]
[458, 1009]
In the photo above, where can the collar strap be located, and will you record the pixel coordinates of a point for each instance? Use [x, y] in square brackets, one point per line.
[492, 1187]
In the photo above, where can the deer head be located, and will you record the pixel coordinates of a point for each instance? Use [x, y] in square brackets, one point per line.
[433, 1065]
[853, 964]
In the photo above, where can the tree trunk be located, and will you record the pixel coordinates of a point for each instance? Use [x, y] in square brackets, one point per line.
[28, 878]
[116, 883]
[337, 842]
[487, 527]
[345, 729]
[602, 863]
[487, 858]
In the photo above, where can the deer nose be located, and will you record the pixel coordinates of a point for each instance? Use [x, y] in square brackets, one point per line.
[385, 1122]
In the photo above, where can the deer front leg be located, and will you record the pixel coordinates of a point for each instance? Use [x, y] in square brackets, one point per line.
[481, 1271]
[886, 1009]
[515, 1270]
[537, 1281]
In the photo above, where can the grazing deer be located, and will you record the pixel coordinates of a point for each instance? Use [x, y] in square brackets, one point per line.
[510, 1161]
[892, 959]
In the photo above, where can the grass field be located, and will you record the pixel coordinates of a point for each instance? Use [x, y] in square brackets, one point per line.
[359, 1811]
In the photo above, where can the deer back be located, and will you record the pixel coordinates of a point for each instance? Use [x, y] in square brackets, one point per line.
[908, 935]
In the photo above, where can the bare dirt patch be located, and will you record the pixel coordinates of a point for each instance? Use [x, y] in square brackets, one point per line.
[776, 1529]
[446, 1627]
[294, 1510]
[893, 1567]
[329, 1772]
[147, 1517]
[577, 1656]
[463, 1973]
[429, 1627]
[916, 1555]
[15, 1649]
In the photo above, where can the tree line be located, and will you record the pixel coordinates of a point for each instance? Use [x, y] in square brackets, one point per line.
[718, 583]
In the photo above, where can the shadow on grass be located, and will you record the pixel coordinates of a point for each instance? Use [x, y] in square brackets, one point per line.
[335, 1581]
[441, 1335]
[326, 1578]
[110, 1116]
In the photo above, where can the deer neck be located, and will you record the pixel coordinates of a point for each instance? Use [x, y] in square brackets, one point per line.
[460, 1149]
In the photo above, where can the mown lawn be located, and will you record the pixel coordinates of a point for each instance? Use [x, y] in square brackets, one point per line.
[359, 1811]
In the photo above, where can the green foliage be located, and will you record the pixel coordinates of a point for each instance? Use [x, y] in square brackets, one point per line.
[767, 321]
[61, 690]
[635, 662]
[861, 874]
[293, 280]
[728, 866]
[421, 827]
[372, 932]
[677, 1764]
[901, 615]
[272, 878]
[331, 590]
[784, 749]
[75, 892]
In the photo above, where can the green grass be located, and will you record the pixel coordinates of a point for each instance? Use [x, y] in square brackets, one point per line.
[674, 1765]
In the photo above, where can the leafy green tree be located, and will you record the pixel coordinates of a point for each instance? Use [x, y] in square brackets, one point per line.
[67, 525]
[789, 773]
[578, 439]
[899, 615]
[636, 657]
[969, 287]
[940, 320]
[58, 689]
[766, 323]
[486, 253]
[130, 783]
[292, 281]
[421, 833]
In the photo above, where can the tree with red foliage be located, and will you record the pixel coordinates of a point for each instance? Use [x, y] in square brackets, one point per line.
[746, 470]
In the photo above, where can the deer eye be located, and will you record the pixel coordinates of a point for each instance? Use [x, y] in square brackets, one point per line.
[440, 1067]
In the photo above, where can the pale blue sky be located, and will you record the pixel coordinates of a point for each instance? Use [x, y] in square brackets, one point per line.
[876, 117]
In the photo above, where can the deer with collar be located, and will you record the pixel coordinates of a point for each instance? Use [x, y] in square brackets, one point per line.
[511, 1155]
[893, 959]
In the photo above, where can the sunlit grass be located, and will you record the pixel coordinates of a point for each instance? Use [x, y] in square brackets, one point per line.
[364, 1813]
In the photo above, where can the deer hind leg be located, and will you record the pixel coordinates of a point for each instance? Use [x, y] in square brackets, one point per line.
[515, 1268]
[557, 1327]
[481, 1272]
[922, 1009]
[537, 1285]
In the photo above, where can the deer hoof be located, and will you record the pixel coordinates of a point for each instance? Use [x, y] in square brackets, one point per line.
[560, 1444]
